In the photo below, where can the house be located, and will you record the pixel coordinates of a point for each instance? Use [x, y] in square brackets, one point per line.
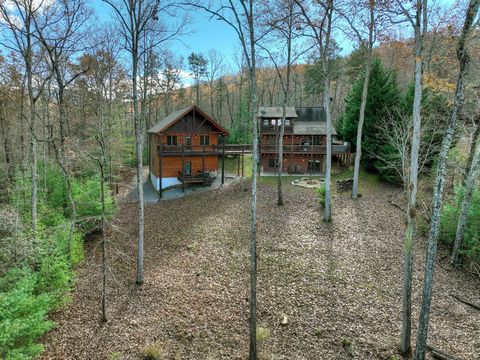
[184, 148]
[304, 141]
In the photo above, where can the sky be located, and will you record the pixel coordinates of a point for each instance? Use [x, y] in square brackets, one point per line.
[205, 34]
[212, 34]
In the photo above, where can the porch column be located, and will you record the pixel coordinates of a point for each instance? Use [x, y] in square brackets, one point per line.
[160, 190]
[223, 159]
[183, 163]
[203, 163]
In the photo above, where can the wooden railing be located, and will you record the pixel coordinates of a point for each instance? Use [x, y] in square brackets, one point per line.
[188, 148]
[306, 149]
[272, 128]
[216, 148]
[247, 148]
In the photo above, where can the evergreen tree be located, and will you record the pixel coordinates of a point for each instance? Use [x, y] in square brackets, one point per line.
[383, 97]
[198, 66]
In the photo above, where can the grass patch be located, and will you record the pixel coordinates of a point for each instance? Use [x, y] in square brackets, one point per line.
[262, 334]
[116, 355]
[272, 179]
[347, 346]
[231, 165]
[153, 352]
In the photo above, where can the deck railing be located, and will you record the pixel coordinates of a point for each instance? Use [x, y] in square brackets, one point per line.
[188, 148]
[247, 148]
[306, 149]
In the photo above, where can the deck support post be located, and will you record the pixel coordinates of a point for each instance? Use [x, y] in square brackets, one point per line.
[243, 158]
[223, 159]
[310, 165]
[183, 164]
[160, 190]
[203, 164]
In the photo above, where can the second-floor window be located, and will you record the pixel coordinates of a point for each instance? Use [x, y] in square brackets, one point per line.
[171, 139]
[265, 122]
[287, 122]
[204, 139]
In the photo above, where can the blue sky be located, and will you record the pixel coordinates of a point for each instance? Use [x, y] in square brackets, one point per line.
[210, 33]
[206, 34]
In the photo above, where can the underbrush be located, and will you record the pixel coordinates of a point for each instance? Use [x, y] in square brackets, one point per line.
[36, 274]
[449, 221]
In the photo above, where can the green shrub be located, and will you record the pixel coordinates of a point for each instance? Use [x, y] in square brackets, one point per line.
[449, 221]
[423, 227]
[23, 314]
[321, 194]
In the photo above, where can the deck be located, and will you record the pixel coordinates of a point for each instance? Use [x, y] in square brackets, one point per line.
[202, 177]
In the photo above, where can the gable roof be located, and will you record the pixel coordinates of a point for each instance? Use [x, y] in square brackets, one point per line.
[276, 112]
[173, 117]
[311, 121]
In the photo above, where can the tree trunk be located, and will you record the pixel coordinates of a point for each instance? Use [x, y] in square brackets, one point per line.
[420, 30]
[62, 161]
[28, 56]
[255, 161]
[7, 145]
[286, 97]
[464, 60]
[139, 165]
[470, 184]
[471, 154]
[363, 104]
[327, 211]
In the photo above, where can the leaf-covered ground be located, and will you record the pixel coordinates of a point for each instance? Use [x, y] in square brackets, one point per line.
[338, 285]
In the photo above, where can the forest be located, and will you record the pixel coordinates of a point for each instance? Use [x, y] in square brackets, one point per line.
[91, 268]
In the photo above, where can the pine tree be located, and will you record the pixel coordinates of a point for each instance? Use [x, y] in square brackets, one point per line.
[383, 96]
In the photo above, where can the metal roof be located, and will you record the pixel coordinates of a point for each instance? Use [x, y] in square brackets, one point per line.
[311, 128]
[273, 112]
[311, 121]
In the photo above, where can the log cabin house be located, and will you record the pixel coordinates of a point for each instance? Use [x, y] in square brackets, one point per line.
[184, 148]
[304, 141]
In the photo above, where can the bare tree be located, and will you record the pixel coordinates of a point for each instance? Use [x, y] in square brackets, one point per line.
[240, 16]
[416, 15]
[216, 68]
[464, 60]
[321, 33]
[357, 30]
[18, 17]
[61, 32]
[397, 131]
[281, 22]
[139, 19]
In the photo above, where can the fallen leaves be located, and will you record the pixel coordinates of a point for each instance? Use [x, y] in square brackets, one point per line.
[317, 284]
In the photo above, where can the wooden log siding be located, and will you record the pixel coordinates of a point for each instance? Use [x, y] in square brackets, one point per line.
[173, 164]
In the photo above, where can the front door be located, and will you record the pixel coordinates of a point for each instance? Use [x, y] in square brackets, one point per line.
[188, 143]
[188, 168]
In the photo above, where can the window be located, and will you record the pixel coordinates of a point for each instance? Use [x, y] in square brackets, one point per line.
[188, 168]
[287, 122]
[273, 122]
[204, 139]
[188, 140]
[314, 165]
[171, 139]
[265, 122]
[272, 163]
